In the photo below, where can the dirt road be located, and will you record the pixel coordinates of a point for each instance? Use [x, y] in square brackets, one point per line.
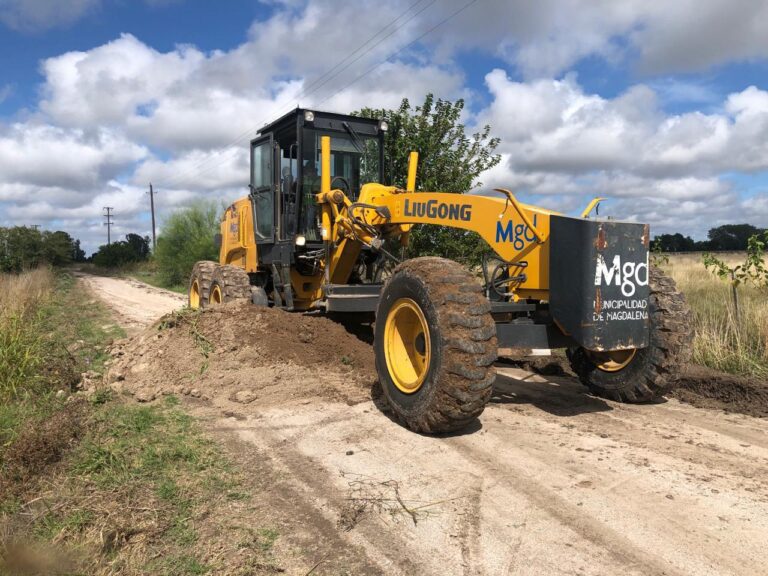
[550, 481]
[135, 304]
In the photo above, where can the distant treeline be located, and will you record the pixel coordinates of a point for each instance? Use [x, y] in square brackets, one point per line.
[134, 248]
[730, 237]
[23, 247]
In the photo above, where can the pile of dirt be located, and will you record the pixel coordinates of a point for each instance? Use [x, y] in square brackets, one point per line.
[709, 388]
[238, 353]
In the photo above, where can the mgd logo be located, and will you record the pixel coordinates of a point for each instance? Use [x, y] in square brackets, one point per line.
[628, 276]
[518, 234]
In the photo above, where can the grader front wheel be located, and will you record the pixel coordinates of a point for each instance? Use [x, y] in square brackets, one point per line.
[643, 374]
[200, 283]
[435, 344]
[229, 283]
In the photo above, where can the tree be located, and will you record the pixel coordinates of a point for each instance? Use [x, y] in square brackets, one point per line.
[57, 248]
[753, 270]
[674, 243]
[139, 245]
[451, 161]
[731, 236]
[22, 248]
[134, 248]
[186, 237]
[78, 254]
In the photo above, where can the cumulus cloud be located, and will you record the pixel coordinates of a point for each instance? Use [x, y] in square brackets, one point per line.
[546, 38]
[554, 126]
[117, 116]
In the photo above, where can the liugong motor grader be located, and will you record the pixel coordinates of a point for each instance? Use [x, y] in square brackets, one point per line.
[306, 239]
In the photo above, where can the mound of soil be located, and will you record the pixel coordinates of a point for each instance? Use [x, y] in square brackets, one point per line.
[240, 353]
[709, 388]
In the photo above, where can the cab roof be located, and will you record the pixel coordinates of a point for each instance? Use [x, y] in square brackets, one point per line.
[327, 120]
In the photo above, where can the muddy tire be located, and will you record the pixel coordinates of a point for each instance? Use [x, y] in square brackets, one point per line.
[434, 344]
[229, 283]
[200, 283]
[652, 371]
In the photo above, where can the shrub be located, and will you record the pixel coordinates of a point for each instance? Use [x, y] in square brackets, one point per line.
[186, 237]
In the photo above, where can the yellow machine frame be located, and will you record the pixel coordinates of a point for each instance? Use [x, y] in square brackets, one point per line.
[518, 233]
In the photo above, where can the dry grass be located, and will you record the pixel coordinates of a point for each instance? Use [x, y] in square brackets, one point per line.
[21, 297]
[20, 294]
[723, 342]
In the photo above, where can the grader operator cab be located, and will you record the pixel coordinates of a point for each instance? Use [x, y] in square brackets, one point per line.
[320, 231]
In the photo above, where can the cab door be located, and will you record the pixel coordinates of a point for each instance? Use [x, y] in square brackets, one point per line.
[262, 189]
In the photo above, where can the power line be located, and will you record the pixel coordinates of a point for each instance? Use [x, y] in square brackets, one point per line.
[306, 91]
[372, 68]
[375, 66]
[108, 223]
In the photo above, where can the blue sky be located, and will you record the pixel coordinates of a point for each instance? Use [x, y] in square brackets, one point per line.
[662, 108]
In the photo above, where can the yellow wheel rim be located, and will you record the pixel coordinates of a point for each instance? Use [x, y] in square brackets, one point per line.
[194, 294]
[216, 296]
[407, 345]
[612, 361]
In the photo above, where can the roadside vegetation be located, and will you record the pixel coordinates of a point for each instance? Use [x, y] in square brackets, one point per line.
[724, 340]
[188, 236]
[89, 483]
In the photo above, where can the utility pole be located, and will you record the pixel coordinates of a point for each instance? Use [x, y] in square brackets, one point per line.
[108, 223]
[152, 206]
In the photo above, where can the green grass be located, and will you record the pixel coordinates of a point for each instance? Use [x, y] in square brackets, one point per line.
[154, 455]
[59, 336]
[80, 324]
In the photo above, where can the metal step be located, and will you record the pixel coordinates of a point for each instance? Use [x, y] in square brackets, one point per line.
[352, 297]
[352, 289]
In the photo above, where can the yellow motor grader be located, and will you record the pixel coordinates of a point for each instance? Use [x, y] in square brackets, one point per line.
[319, 231]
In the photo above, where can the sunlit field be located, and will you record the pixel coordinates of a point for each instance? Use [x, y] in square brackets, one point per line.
[723, 341]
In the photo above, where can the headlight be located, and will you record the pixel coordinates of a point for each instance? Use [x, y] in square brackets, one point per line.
[383, 125]
[309, 116]
[300, 240]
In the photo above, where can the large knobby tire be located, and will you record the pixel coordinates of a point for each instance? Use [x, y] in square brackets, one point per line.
[434, 306]
[200, 283]
[652, 371]
[229, 283]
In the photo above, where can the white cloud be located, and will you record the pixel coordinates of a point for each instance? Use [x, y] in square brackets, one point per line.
[45, 155]
[554, 126]
[112, 118]
[39, 15]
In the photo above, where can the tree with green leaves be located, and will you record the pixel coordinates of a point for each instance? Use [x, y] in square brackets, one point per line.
[23, 247]
[186, 237]
[753, 271]
[134, 248]
[449, 161]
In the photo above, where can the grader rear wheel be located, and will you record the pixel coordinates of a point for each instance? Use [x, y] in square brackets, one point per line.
[435, 344]
[229, 283]
[200, 283]
[643, 374]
